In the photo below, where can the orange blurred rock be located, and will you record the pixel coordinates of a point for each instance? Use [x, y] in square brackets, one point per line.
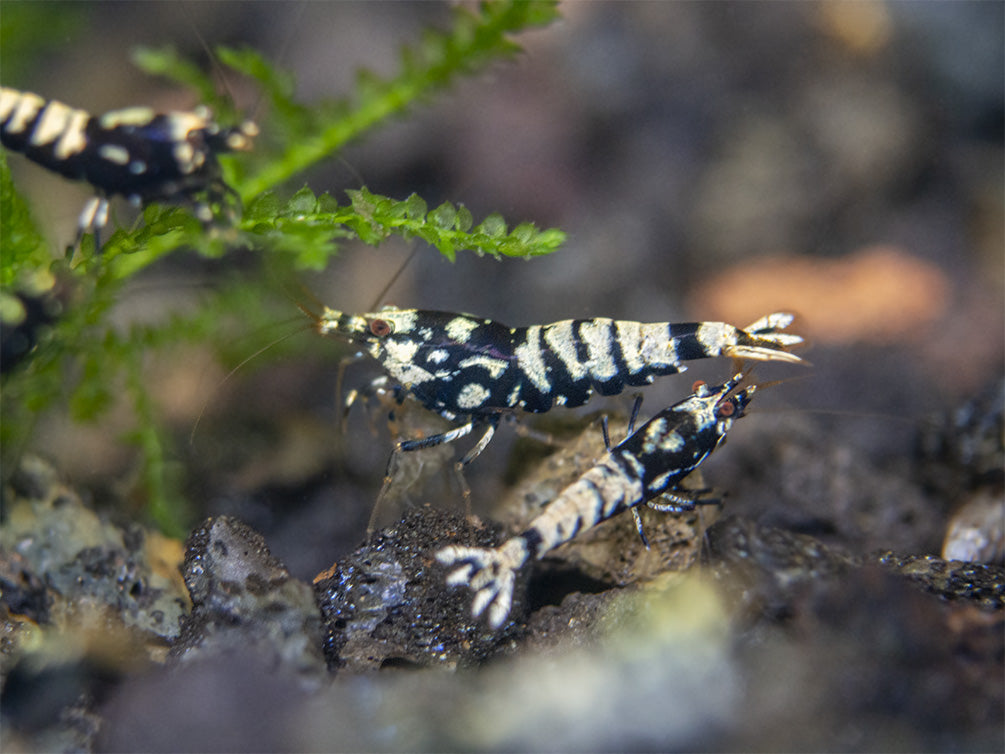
[878, 294]
[862, 28]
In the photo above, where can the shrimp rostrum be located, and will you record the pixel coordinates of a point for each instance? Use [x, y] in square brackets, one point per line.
[648, 463]
[475, 371]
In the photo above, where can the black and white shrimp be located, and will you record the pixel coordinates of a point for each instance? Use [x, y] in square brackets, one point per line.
[135, 152]
[475, 371]
[649, 462]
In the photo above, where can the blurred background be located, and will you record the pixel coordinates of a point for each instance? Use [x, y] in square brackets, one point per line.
[707, 160]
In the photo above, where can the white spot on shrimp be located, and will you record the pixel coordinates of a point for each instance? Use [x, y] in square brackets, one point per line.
[513, 395]
[399, 362]
[114, 153]
[560, 339]
[51, 123]
[180, 125]
[25, 109]
[495, 367]
[460, 328]
[129, 116]
[472, 395]
[634, 462]
[184, 156]
[660, 482]
[598, 338]
[528, 355]
[629, 335]
[402, 319]
[671, 443]
[438, 356]
[655, 432]
[8, 100]
[655, 347]
[240, 139]
[73, 139]
[715, 336]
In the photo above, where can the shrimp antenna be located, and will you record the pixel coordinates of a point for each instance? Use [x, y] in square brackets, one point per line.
[820, 411]
[283, 50]
[232, 372]
[298, 301]
[353, 172]
[772, 383]
[394, 278]
[213, 61]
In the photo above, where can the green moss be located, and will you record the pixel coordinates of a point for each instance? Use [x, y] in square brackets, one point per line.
[85, 364]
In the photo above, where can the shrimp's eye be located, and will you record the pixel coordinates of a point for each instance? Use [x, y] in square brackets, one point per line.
[381, 327]
[725, 410]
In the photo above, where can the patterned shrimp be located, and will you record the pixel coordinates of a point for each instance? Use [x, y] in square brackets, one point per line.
[650, 462]
[136, 152]
[476, 370]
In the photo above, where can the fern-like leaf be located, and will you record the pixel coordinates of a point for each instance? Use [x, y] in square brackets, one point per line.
[475, 39]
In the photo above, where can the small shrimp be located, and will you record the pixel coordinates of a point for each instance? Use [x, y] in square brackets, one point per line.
[649, 462]
[136, 152]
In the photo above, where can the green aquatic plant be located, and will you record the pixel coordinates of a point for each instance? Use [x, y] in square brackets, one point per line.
[74, 356]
